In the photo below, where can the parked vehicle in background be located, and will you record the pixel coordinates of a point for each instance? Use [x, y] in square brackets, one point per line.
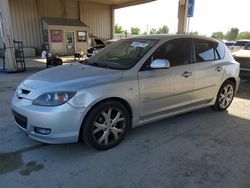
[94, 46]
[243, 57]
[229, 44]
[239, 44]
[129, 83]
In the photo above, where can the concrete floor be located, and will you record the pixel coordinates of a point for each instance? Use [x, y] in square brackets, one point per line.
[199, 149]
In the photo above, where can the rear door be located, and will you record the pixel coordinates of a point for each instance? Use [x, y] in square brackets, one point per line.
[209, 69]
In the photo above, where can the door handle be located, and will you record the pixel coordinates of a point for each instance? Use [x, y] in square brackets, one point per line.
[218, 69]
[186, 74]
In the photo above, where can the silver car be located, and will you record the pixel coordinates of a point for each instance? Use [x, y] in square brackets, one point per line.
[129, 83]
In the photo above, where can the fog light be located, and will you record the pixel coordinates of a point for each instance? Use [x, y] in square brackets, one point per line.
[44, 131]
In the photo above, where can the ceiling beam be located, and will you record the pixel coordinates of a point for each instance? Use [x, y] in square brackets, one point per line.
[132, 3]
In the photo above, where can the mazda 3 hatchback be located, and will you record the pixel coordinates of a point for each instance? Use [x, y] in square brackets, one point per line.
[127, 84]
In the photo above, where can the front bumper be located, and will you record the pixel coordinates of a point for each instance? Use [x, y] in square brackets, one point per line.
[64, 121]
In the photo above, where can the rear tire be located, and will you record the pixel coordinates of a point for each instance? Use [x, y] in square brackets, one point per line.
[106, 125]
[225, 96]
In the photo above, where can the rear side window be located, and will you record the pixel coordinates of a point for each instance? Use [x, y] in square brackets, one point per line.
[208, 50]
[221, 50]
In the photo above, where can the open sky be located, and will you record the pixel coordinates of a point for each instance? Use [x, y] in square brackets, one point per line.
[209, 16]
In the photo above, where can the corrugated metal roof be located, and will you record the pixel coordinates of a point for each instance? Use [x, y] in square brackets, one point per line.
[64, 21]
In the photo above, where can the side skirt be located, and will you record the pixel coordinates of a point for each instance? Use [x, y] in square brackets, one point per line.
[173, 112]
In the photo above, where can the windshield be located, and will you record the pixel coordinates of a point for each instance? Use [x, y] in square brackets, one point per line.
[123, 54]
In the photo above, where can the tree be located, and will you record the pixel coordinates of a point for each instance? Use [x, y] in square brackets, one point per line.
[118, 29]
[163, 30]
[153, 31]
[244, 35]
[135, 31]
[232, 34]
[194, 33]
[218, 35]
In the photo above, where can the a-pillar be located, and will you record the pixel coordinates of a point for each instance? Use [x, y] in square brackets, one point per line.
[7, 38]
[183, 11]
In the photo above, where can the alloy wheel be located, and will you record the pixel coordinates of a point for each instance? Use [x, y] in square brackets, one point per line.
[226, 96]
[109, 126]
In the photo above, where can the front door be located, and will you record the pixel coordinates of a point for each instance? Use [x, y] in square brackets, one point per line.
[165, 90]
[70, 43]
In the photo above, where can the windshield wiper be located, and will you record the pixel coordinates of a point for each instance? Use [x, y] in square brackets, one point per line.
[99, 65]
[103, 66]
[83, 61]
[96, 64]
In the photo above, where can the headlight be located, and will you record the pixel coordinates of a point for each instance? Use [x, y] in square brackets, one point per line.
[53, 99]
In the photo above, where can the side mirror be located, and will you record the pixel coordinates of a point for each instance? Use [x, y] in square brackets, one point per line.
[160, 64]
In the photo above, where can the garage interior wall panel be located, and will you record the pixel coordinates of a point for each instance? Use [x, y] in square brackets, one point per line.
[25, 22]
[50, 8]
[27, 17]
[71, 9]
[98, 18]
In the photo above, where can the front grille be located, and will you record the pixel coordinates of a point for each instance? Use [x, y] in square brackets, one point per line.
[20, 119]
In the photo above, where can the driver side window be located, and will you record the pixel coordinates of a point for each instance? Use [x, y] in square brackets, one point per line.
[176, 51]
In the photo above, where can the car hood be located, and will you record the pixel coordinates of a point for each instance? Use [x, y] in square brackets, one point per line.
[242, 53]
[74, 76]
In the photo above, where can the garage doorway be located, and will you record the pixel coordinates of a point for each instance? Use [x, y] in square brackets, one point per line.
[70, 43]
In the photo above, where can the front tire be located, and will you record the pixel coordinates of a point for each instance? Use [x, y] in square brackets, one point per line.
[106, 125]
[225, 96]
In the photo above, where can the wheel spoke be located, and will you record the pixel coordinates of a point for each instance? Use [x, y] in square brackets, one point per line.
[115, 133]
[117, 130]
[109, 113]
[104, 137]
[225, 90]
[105, 116]
[228, 100]
[230, 93]
[99, 127]
[118, 118]
[223, 103]
[221, 97]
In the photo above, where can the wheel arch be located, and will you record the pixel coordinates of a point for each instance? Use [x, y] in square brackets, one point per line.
[232, 79]
[117, 99]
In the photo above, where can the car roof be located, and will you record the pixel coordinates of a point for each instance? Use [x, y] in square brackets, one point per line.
[173, 36]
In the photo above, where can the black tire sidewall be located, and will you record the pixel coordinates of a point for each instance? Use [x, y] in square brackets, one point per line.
[91, 117]
[217, 103]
